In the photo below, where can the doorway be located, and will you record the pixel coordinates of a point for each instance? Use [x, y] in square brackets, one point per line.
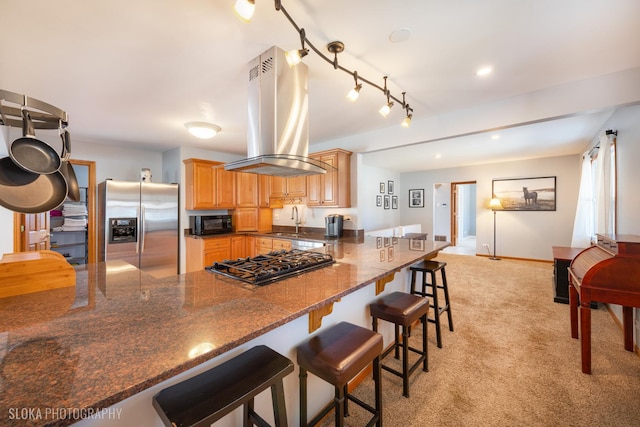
[463, 215]
[33, 232]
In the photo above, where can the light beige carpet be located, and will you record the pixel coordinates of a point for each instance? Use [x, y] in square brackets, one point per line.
[511, 360]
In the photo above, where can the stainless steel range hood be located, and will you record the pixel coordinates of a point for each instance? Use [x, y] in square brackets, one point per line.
[278, 132]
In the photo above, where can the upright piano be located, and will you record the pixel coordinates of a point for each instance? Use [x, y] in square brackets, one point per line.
[608, 272]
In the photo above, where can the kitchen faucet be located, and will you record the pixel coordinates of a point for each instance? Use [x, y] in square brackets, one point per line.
[294, 210]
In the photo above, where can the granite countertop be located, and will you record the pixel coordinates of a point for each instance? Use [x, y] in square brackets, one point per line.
[121, 331]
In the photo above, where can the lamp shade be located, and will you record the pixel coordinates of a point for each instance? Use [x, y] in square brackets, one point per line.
[495, 204]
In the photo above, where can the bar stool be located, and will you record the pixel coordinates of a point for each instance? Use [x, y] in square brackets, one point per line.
[209, 396]
[337, 355]
[403, 309]
[429, 269]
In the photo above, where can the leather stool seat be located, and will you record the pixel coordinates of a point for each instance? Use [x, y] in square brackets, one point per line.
[428, 269]
[337, 355]
[209, 396]
[403, 309]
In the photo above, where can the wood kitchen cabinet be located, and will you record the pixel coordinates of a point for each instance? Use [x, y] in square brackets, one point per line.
[264, 191]
[204, 252]
[238, 249]
[247, 190]
[292, 189]
[332, 189]
[264, 245]
[208, 185]
[200, 184]
[280, 244]
[226, 188]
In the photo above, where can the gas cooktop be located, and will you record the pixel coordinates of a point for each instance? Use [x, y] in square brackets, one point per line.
[268, 268]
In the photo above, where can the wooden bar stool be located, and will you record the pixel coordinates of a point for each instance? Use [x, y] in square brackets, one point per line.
[337, 355]
[403, 309]
[209, 396]
[428, 269]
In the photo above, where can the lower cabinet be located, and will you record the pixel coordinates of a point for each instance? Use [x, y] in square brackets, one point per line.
[264, 245]
[202, 253]
[238, 248]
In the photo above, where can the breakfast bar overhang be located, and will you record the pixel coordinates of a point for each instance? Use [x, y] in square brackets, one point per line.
[123, 335]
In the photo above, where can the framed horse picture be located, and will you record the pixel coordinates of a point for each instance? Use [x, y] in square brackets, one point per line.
[526, 194]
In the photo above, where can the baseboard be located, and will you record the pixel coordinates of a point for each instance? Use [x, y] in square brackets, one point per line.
[517, 258]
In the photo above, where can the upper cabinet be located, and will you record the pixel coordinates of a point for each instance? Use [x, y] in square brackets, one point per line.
[200, 188]
[287, 190]
[246, 190]
[332, 189]
[208, 185]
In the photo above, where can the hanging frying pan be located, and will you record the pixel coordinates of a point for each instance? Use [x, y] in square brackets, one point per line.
[27, 192]
[66, 169]
[30, 153]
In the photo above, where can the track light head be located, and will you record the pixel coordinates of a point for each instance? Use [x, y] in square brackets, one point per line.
[386, 109]
[354, 93]
[244, 9]
[294, 57]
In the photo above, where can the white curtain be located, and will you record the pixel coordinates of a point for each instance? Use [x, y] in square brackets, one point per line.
[604, 214]
[583, 224]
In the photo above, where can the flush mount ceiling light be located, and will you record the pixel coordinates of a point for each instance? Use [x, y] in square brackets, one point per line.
[295, 56]
[203, 130]
[484, 71]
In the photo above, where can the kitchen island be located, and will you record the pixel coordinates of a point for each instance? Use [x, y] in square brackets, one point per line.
[122, 336]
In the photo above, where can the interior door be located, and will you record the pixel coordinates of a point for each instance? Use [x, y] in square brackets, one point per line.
[454, 213]
[33, 231]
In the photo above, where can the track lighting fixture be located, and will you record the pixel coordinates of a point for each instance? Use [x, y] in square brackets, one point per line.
[386, 108]
[407, 120]
[245, 9]
[295, 56]
[355, 92]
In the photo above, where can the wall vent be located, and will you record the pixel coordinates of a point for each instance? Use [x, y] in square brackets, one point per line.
[440, 238]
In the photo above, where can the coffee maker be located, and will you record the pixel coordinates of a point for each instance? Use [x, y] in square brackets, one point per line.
[333, 225]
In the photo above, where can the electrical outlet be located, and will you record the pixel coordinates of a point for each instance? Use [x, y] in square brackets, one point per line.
[485, 245]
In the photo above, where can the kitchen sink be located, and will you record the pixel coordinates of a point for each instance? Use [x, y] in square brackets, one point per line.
[294, 235]
[305, 244]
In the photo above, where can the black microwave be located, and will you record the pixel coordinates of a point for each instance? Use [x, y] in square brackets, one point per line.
[202, 225]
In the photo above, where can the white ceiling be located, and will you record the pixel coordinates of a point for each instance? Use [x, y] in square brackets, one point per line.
[133, 72]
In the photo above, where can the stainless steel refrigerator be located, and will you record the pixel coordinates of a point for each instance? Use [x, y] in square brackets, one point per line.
[138, 223]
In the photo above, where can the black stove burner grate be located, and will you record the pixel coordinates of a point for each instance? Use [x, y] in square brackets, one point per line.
[268, 268]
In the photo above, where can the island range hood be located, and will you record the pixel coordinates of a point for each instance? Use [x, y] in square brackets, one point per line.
[278, 129]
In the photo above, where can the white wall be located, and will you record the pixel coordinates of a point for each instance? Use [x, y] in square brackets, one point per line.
[374, 217]
[518, 234]
[627, 123]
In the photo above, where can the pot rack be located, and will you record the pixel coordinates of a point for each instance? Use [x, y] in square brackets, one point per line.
[43, 115]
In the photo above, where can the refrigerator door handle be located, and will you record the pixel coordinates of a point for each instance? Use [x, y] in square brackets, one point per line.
[143, 219]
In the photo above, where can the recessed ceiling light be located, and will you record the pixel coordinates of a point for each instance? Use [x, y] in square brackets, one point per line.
[495, 136]
[400, 35]
[203, 130]
[484, 71]
[437, 156]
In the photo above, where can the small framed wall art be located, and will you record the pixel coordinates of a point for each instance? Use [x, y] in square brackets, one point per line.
[416, 198]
